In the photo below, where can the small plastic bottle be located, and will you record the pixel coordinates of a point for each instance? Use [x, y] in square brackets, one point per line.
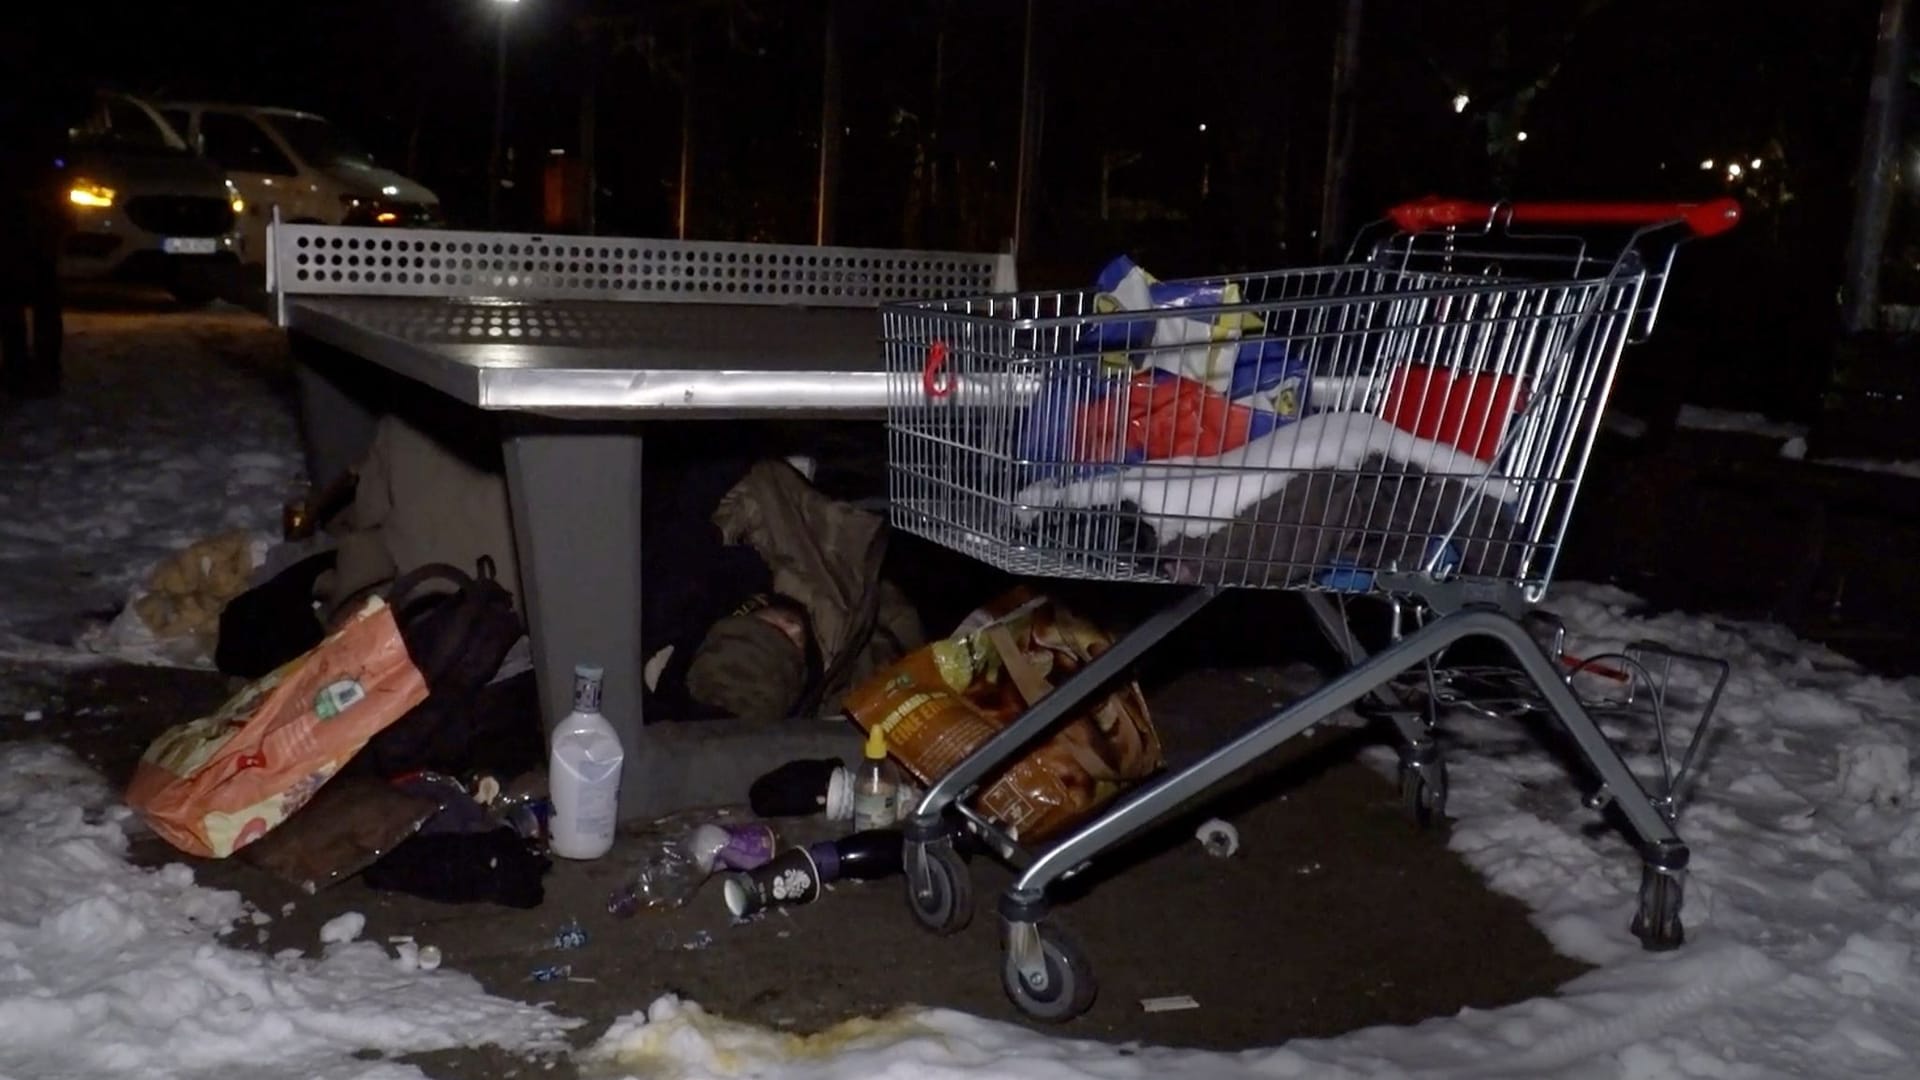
[876, 786]
[584, 774]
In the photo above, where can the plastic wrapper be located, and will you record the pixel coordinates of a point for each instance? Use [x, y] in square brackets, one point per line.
[214, 785]
[348, 826]
[679, 852]
[941, 702]
[1174, 385]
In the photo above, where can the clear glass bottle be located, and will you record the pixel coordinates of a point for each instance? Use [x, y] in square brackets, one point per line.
[876, 786]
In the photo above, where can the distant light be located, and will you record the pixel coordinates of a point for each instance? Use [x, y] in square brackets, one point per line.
[390, 190]
[1707, 165]
[506, 1]
[239, 205]
[557, 152]
[91, 195]
[388, 217]
[1460, 102]
[1521, 136]
[1203, 127]
[1734, 170]
[1754, 164]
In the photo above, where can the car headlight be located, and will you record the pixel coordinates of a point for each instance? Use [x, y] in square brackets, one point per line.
[234, 200]
[91, 195]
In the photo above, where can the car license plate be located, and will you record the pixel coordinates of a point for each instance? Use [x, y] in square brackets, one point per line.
[190, 245]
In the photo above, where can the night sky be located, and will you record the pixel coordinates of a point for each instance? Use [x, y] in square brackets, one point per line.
[1618, 98]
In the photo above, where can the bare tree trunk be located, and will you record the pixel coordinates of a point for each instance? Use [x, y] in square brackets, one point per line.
[413, 135]
[1333, 187]
[686, 135]
[1023, 183]
[1873, 182]
[831, 128]
[589, 139]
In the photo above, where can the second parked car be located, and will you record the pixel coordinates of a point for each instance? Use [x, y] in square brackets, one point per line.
[302, 164]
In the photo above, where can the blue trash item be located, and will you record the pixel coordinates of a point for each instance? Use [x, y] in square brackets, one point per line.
[1078, 422]
[1345, 576]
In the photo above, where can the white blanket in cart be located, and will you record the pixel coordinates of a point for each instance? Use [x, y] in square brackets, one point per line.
[1188, 498]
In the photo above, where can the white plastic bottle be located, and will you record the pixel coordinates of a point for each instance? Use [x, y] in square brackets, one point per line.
[583, 774]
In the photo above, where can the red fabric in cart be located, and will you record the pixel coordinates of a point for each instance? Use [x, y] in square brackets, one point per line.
[1166, 417]
[1469, 413]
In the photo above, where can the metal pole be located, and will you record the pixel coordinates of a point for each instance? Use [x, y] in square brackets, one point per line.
[1346, 63]
[831, 128]
[499, 120]
[1023, 173]
[1873, 182]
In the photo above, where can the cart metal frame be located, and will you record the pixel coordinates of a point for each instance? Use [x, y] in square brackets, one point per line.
[1461, 286]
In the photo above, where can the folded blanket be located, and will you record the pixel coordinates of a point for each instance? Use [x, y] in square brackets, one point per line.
[1186, 498]
[1337, 528]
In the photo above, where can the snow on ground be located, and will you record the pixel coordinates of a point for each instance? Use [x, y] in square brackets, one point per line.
[1802, 904]
[1701, 418]
[110, 970]
[1794, 446]
[174, 427]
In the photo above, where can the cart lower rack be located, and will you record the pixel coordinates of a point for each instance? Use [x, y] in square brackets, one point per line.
[1409, 427]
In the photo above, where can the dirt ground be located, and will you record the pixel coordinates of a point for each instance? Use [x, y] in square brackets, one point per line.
[1337, 914]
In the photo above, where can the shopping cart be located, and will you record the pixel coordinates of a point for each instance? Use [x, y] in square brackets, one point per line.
[1445, 387]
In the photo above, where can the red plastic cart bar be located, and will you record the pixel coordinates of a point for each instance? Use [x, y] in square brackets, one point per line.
[1433, 212]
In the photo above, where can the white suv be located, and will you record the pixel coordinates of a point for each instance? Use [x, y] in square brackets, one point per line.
[302, 164]
[143, 207]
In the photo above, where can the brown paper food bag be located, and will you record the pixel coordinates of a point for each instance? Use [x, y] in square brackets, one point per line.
[941, 702]
[214, 785]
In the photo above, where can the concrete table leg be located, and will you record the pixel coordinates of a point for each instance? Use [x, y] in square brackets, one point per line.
[337, 407]
[575, 496]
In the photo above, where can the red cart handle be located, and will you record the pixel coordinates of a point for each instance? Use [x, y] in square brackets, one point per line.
[930, 380]
[1433, 212]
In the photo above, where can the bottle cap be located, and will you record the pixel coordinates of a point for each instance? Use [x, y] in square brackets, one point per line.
[876, 743]
[586, 687]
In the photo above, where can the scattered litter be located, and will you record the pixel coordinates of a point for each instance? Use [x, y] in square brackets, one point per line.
[32, 716]
[552, 972]
[407, 955]
[399, 939]
[1220, 839]
[570, 936]
[580, 979]
[260, 937]
[343, 928]
[286, 909]
[429, 957]
[1307, 868]
[260, 918]
[783, 933]
[700, 940]
[1175, 1003]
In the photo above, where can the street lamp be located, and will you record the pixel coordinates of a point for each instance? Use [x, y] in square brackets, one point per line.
[499, 115]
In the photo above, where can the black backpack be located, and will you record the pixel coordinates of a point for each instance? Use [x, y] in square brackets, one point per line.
[458, 637]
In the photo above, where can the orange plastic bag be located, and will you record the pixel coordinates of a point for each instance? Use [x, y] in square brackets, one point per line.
[941, 702]
[214, 785]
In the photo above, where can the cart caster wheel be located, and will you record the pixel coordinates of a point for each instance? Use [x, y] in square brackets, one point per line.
[1423, 790]
[1657, 920]
[939, 888]
[1065, 989]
